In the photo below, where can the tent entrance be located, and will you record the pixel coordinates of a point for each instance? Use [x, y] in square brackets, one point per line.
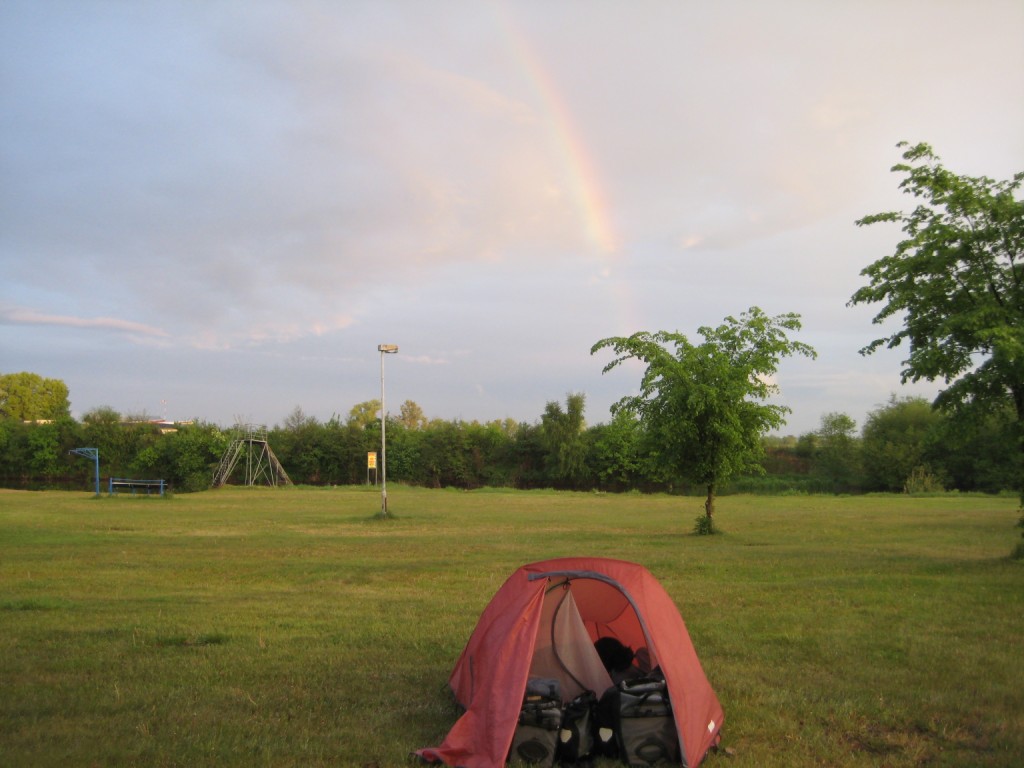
[575, 614]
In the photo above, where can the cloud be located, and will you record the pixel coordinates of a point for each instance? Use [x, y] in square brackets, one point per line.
[426, 359]
[25, 316]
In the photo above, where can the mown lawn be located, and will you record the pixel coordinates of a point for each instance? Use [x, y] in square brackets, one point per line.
[289, 627]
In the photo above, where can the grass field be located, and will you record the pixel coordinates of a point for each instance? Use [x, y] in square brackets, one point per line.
[289, 627]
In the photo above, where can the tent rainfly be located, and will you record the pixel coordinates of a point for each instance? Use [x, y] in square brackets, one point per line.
[543, 622]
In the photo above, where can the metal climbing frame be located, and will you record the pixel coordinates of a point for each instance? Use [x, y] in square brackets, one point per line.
[261, 465]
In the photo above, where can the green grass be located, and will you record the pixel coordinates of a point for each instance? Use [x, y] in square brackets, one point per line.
[289, 627]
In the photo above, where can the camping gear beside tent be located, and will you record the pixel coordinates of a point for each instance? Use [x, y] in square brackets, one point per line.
[542, 624]
[536, 736]
[576, 737]
[641, 721]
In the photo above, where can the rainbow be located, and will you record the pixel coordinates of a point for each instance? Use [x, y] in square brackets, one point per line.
[586, 186]
[587, 189]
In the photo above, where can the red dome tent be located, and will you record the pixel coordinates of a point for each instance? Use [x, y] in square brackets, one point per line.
[533, 627]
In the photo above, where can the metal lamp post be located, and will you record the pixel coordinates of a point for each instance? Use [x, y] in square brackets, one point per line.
[384, 349]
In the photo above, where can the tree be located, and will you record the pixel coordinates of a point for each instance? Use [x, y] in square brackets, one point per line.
[895, 442]
[411, 416]
[300, 446]
[444, 455]
[117, 441]
[835, 454]
[615, 452]
[562, 433]
[44, 450]
[702, 406]
[491, 452]
[30, 397]
[529, 456]
[297, 420]
[192, 455]
[973, 454]
[364, 414]
[957, 281]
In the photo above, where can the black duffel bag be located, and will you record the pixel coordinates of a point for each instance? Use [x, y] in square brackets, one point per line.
[576, 737]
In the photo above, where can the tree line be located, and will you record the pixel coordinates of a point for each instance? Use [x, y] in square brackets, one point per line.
[904, 446]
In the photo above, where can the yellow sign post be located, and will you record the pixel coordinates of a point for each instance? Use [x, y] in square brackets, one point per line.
[371, 463]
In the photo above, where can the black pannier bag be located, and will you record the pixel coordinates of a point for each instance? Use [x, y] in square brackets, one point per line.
[606, 722]
[646, 727]
[576, 736]
[536, 735]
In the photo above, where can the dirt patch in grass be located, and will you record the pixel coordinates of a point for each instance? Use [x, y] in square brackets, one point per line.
[191, 641]
[925, 743]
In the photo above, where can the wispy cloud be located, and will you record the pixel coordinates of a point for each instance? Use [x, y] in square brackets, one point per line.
[427, 360]
[25, 316]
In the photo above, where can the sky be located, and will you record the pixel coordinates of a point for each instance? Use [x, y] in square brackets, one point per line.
[217, 210]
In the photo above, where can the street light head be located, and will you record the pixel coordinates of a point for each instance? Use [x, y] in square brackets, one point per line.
[389, 348]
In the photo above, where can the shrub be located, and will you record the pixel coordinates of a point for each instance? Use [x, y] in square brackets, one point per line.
[923, 480]
[704, 526]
